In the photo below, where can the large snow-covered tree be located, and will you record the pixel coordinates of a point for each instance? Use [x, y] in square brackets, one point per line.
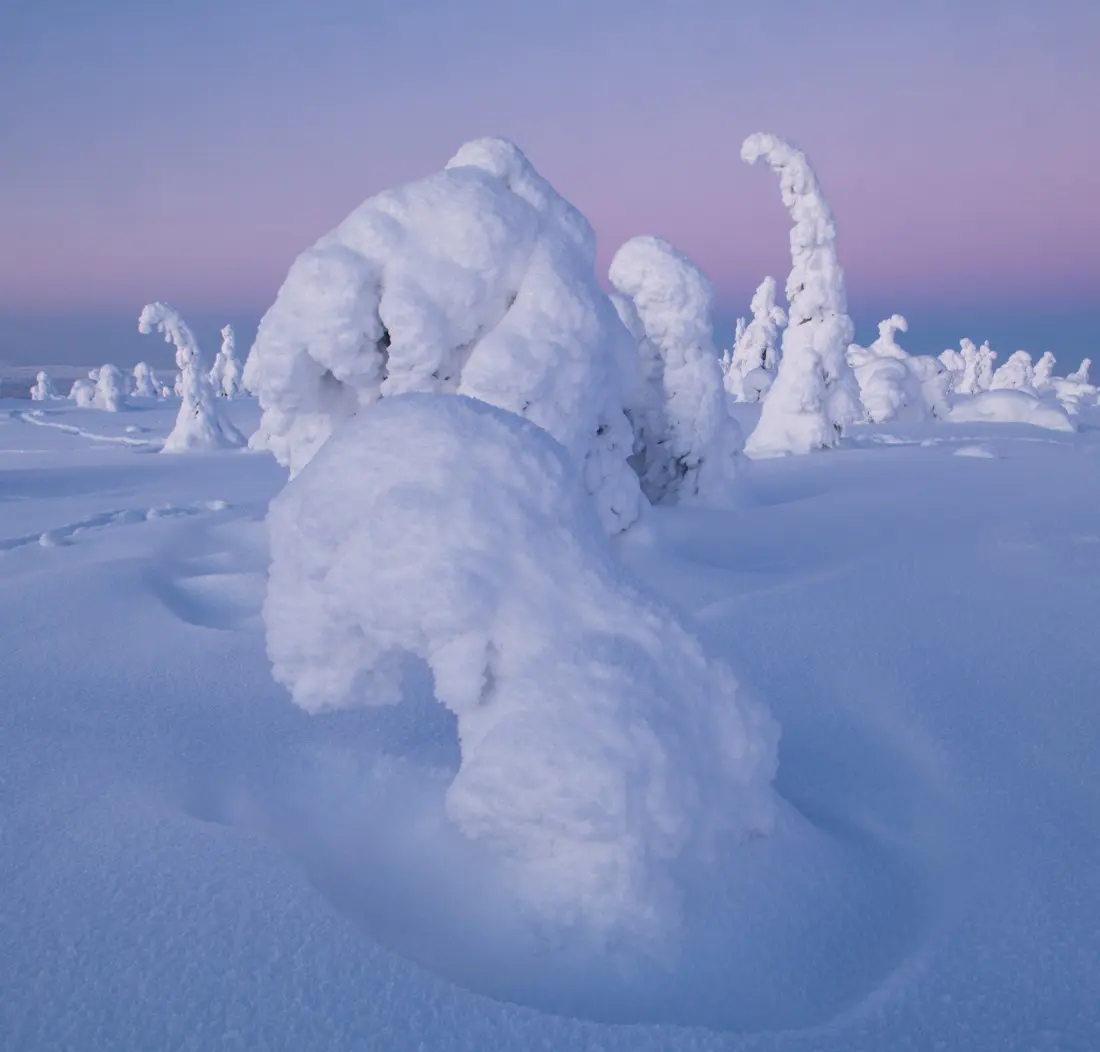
[750, 369]
[201, 424]
[689, 445]
[479, 279]
[815, 395]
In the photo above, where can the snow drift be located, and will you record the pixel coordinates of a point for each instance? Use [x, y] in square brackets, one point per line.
[598, 741]
[688, 444]
[1011, 407]
[479, 280]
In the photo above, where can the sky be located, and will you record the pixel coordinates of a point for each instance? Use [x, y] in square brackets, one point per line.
[188, 151]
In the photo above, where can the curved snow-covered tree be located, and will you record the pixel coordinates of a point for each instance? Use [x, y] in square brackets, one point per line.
[82, 393]
[815, 395]
[986, 358]
[1017, 373]
[750, 370]
[43, 389]
[225, 375]
[689, 445]
[598, 742]
[201, 424]
[480, 280]
[110, 389]
[145, 383]
[1043, 372]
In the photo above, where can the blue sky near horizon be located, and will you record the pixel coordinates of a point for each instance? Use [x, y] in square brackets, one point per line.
[189, 151]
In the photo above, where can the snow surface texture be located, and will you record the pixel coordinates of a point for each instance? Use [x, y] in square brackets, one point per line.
[225, 374]
[479, 280]
[1009, 407]
[815, 395]
[599, 743]
[690, 446]
[200, 424]
[750, 371]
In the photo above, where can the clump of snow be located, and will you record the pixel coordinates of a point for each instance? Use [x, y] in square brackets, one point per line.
[200, 424]
[145, 383]
[689, 445]
[1011, 407]
[1016, 374]
[478, 280]
[751, 365]
[815, 395]
[225, 374]
[599, 743]
[110, 389]
[43, 389]
[83, 393]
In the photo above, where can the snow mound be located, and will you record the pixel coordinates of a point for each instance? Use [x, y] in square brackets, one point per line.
[690, 444]
[599, 743]
[477, 280]
[1010, 407]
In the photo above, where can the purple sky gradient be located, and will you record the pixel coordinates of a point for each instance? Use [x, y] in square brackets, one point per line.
[189, 151]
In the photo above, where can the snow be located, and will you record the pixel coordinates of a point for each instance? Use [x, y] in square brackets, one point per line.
[754, 358]
[191, 861]
[1017, 374]
[815, 396]
[110, 389]
[43, 389]
[479, 279]
[225, 374]
[1009, 406]
[688, 444]
[145, 384]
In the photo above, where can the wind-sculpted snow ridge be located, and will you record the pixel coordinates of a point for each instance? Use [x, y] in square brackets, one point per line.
[1011, 407]
[599, 743]
[690, 446]
[479, 280]
[815, 395]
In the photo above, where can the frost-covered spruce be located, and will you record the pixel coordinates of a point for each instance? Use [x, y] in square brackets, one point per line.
[82, 393]
[815, 395]
[968, 382]
[43, 389]
[750, 371]
[986, 359]
[144, 382]
[201, 424]
[1017, 373]
[1080, 375]
[599, 743]
[479, 279]
[689, 446]
[1044, 371]
[110, 389]
[888, 388]
[1074, 390]
[225, 375]
[955, 365]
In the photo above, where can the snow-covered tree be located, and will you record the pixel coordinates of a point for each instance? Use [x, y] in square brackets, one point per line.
[600, 747]
[955, 365]
[1016, 373]
[889, 387]
[689, 445]
[225, 376]
[986, 357]
[43, 389]
[144, 383]
[815, 395]
[1043, 372]
[1080, 375]
[201, 423]
[750, 370]
[110, 389]
[480, 280]
[968, 383]
[82, 393]
[1074, 390]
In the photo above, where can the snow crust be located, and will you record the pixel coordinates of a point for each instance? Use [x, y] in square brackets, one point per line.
[599, 743]
[815, 395]
[478, 280]
[688, 446]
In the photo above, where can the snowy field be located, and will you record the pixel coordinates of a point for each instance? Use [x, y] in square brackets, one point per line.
[190, 861]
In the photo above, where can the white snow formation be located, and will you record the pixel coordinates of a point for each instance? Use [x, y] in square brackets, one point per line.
[83, 393]
[750, 369]
[599, 743]
[225, 374]
[479, 280]
[815, 395]
[145, 384]
[689, 446]
[1016, 374]
[955, 364]
[888, 388]
[110, 389]
[43, 389]
[1081, 373]
[986, 357]
[968, 382]
[1043, 372]
[1074, 390]
[200, 424]
[1011, 407]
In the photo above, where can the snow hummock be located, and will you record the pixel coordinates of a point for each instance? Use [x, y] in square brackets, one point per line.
[1011, 407]
[599, 743]
[815, 395]
[480, 280]
[201, 424]
[110, 389]
[752, 362]
[43, 389]
[689, 445]
[225, 374]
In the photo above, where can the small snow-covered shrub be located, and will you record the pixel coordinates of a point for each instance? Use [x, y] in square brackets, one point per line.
[110, 389]
[815, 395]
[1011, 407]
[1016, 374]
[144, 382]
[478, 280]
[200, 424]
[690, 445]
[752, 363]
[43, 389]
[83, 393]
[598, 741]
[225, 375]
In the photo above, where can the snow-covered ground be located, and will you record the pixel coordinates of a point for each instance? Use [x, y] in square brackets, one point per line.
[187, 860]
